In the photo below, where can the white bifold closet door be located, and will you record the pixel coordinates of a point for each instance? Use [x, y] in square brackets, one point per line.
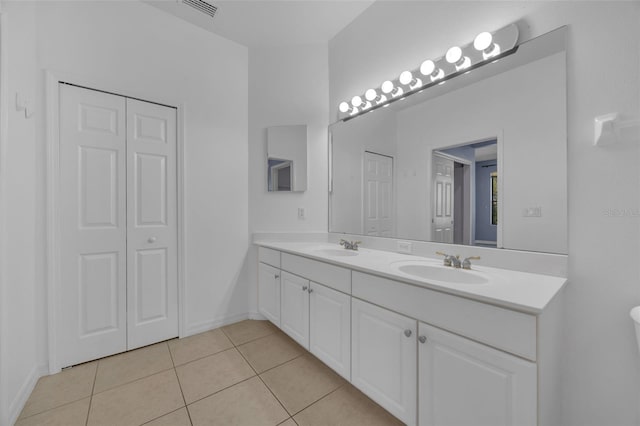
[118, 225]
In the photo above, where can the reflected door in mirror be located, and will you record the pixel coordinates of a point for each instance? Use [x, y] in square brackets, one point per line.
[442, 223]
[378, 195]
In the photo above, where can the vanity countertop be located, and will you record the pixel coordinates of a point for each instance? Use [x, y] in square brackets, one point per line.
[521, 291]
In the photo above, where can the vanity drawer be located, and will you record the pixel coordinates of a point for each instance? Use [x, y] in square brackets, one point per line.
[511, 331]
[332, 276]
[269, 256]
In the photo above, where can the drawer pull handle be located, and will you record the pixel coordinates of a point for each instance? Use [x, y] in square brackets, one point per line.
[304, 288]
[408, 333]
[422, 339]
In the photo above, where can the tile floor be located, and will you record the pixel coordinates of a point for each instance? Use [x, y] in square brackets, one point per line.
[247, 373]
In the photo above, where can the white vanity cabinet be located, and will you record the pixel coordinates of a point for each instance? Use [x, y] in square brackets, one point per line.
[294, 313]
[330, 328]
[269, 292]
[428, 357]
[461, 382]
[383, 357]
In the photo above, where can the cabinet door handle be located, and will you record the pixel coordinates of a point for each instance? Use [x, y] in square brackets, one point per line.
[408, 333]
[310, 290]
[152, 240]
[304, 288]
[276, 276]
[422, 339]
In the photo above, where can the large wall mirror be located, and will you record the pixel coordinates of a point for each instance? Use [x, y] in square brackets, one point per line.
[480, 160]
[287, 158]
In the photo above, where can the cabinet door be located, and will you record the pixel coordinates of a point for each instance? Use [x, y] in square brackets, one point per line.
[269, 292]
[462, 382]
[330, 328]
[384, 358]
[294, 318]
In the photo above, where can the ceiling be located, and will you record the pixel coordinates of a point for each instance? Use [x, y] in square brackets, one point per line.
[269, 23]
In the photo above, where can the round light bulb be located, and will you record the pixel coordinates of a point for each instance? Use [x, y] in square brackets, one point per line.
[371, 94]
[483, 41]
[387, 86]
[406, 77]
[343, 107]
[427, 67]
[356, 101]
[454, 54]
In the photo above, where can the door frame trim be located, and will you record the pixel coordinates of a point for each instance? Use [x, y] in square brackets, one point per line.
[52, 225]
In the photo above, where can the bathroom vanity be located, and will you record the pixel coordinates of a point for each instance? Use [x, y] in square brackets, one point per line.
[431, 344]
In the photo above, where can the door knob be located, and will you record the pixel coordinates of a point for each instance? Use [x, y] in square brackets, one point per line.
[408, 333]
[152, 240]
[422, 339]
[304, 288]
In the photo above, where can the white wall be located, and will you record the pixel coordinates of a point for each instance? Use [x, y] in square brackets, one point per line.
[287, 86]
[18, 214]
[601, 379]
[133, 49]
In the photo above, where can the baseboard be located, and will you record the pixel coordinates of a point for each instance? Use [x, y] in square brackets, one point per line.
[25, 391]
[203, 326]
[257, 316]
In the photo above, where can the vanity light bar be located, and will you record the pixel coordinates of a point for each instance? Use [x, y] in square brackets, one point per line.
[486, 48]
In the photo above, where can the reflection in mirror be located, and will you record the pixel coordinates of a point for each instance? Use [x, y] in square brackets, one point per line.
[287, 158]
[465, 194]
[480, 160]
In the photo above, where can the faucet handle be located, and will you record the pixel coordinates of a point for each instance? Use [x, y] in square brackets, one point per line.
[447, 258]
[466, 263]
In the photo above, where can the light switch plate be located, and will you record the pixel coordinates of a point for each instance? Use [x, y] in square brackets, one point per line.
[404, 247]
[532, 212]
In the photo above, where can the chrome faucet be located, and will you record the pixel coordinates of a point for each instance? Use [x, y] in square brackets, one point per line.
[450, 260]
[350, 245]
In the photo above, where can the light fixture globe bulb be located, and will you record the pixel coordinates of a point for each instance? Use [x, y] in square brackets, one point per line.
[453, 54]
[343, 107]
[387, 86]
[427, 67]
[483, 41]
[406, 77]
[370, 94]
[356, 101]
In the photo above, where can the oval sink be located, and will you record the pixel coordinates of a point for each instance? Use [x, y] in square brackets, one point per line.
[336, 252]
[440, 273]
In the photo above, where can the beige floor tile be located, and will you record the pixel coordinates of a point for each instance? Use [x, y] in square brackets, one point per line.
[130, 366]
[177, 418]
[137, 402]
[270, 351]
[301, 382]
[74, 414]
[211, 374]
[346, 407]
[247, 403]
[288, 422]
[198, 346]
[67, 386]
[245, 331]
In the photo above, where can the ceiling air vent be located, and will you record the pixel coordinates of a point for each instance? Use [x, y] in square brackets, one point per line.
[202, 6]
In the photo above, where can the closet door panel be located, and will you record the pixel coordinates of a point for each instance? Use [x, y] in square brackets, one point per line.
[91, 293]
[152, 223]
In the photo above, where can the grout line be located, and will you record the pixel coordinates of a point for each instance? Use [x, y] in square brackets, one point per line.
[202, 357]
[133, 381]
[95, 377]
[179, 385]
[263, 382]
[316, 401]
[166, 414]
[218, 391]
